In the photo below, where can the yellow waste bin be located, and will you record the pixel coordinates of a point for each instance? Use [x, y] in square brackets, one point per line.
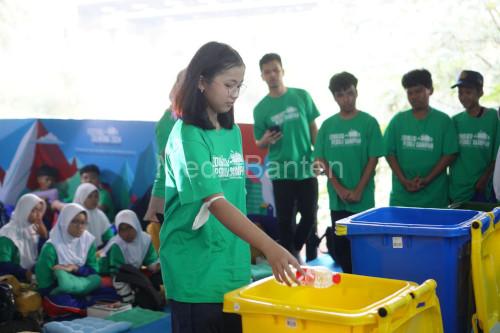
[485, 263]
[358, 304]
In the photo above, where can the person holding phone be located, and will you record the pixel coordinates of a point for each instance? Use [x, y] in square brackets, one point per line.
[284, 122]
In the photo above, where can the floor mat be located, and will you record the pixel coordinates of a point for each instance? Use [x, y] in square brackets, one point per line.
[138, 316]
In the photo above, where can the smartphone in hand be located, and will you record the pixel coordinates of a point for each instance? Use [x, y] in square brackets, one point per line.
[275, 128]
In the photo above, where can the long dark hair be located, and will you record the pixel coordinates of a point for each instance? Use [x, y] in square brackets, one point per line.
[189, 103]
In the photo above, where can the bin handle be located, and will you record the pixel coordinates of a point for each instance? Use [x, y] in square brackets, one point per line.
[414, 295]
[482, 220]
[495, 214]
[340, 230]
[427, 287]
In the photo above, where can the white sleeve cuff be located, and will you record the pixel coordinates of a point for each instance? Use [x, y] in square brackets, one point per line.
[202, 216]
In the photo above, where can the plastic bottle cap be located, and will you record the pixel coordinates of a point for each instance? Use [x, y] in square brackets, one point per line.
[336, 278]
[299, 275]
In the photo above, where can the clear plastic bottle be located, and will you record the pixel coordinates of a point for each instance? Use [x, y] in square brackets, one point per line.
[318, 277]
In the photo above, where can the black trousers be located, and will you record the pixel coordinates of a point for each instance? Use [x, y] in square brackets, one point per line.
[292, 196]
[203, 318]
[341, 247]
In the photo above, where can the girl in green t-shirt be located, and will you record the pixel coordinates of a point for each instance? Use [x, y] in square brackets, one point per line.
[203, 249]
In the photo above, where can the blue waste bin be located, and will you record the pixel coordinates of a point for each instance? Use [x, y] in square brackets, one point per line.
[416, 244]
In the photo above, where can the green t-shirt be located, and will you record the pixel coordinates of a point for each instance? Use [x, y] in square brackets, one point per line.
[107, 235]
[200, 266]
[347, 144]
[291, 156]
[114, 259]
[48, 258]
[162, 131]
[105, 200]
[478, 140]
[418, 145]
[9, 251]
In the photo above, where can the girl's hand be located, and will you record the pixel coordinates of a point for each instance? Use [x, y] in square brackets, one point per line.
[280, 261]
[57, 205]
[68, 268]
[40, 229]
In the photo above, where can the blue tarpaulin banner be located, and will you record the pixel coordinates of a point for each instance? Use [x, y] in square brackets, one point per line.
[125, 151]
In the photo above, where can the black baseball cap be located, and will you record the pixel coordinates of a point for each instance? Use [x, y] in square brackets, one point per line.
[470, 79]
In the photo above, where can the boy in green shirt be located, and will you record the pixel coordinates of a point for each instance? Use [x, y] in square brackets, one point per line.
[284, 122]
[348, 146]
[478, 132]
[420, 144]
[91, 174]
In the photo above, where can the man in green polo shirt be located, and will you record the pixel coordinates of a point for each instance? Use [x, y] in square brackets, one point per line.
[284, 123]
[348, 146]
[420, 144]
[478, 138]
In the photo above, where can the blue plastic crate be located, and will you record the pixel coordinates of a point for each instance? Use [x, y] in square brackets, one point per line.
[416, 244]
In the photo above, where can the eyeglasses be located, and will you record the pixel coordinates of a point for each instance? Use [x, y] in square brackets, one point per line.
[80, 223]
[234, 89]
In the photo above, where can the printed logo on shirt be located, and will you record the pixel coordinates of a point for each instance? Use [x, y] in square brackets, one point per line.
[480, 140]
[422, 142]
[290, 113]
[352, 137]
[232, 167]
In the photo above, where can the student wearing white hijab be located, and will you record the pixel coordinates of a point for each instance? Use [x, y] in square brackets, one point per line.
[21, 237]
[131, 246]
[70, 248]
[87, 195]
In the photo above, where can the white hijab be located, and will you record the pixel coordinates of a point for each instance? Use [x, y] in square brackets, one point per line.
[135, 251]
[20, 231]
[70, 250]
[98, 221]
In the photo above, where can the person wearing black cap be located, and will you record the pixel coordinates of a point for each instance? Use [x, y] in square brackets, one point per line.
[478, 131]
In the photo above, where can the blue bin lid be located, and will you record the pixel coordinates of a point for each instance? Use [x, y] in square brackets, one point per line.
[411, 221]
